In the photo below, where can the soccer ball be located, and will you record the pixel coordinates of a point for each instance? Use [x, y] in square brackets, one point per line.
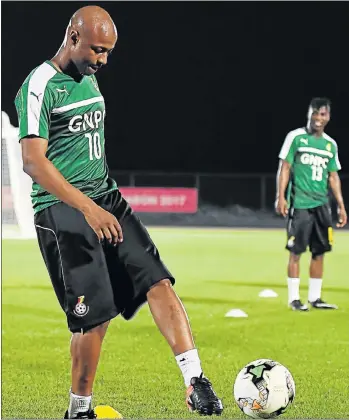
[264, 389]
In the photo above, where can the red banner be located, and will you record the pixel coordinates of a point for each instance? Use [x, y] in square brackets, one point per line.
[161, 200]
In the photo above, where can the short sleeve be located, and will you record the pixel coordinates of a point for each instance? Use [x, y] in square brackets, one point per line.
[289, 148]
[34, 103]
[334, 164]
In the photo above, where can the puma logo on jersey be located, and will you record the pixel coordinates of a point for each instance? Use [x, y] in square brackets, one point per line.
[36, 96]
[62, 90]
[305, 141]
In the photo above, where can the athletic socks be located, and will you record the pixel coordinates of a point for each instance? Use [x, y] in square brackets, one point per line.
[314, 289]
[78, 404]
[190, 365]
[293, 289]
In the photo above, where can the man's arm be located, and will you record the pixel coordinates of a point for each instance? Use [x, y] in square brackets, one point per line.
[286, 156]
[335, 184]
[282, 180]
[43, 172]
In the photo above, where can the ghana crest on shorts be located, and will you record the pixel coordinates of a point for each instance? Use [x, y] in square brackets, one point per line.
[70, 115]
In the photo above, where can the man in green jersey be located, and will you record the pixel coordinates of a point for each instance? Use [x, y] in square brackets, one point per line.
[99, 256]
[309, 164]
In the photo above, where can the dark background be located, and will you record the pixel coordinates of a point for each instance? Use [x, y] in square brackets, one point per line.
[198, 86]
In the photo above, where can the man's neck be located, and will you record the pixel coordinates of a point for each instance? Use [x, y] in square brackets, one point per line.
[64, 65]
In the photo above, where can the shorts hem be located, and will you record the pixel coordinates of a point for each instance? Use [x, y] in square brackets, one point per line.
[130, 312]
[94, 324]
[316, 252]
[296, 251]
[321, 251]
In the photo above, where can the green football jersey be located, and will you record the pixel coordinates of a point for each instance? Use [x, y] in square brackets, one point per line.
[312, 158]
[70, 115]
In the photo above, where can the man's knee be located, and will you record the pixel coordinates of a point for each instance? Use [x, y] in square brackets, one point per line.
[317, 257]
[100, 329]
[294, 258]
[162, 284]
[159, 287]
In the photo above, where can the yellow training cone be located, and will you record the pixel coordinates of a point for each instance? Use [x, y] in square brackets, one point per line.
[106, 412]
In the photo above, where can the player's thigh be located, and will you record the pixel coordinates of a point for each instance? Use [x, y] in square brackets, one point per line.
[299, 227]
[134, 265]
[322, 233]
[77, 266]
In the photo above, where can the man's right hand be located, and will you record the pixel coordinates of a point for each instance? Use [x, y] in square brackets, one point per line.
[105, 225]
[281, 206]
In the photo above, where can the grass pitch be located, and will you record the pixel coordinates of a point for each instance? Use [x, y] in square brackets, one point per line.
[216, 270]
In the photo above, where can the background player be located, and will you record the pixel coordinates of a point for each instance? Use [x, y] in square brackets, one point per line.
[308, 166]
[100, 257]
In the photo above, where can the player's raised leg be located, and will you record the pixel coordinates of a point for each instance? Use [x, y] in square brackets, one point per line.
[138, 276]
[172, 321]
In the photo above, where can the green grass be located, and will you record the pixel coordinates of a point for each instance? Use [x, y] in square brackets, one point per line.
[216, 270]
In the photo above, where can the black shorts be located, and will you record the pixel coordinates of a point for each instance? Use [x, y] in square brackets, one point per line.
[309, 227]
[93, 281]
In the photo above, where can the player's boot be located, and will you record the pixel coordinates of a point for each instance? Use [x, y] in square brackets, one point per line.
[297, 305]
[320, 304]
[202, 398]
[83, 415]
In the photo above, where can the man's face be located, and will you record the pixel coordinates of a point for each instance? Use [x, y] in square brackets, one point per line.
[90, 50]
[319, 118]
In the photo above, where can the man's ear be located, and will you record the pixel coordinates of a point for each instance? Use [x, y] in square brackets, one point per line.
[74, 36]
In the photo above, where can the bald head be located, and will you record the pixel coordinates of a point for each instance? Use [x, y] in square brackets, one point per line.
[90, 37]
[93, 19]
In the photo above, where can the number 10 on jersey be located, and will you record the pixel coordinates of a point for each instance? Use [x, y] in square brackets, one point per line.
[94, 142]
